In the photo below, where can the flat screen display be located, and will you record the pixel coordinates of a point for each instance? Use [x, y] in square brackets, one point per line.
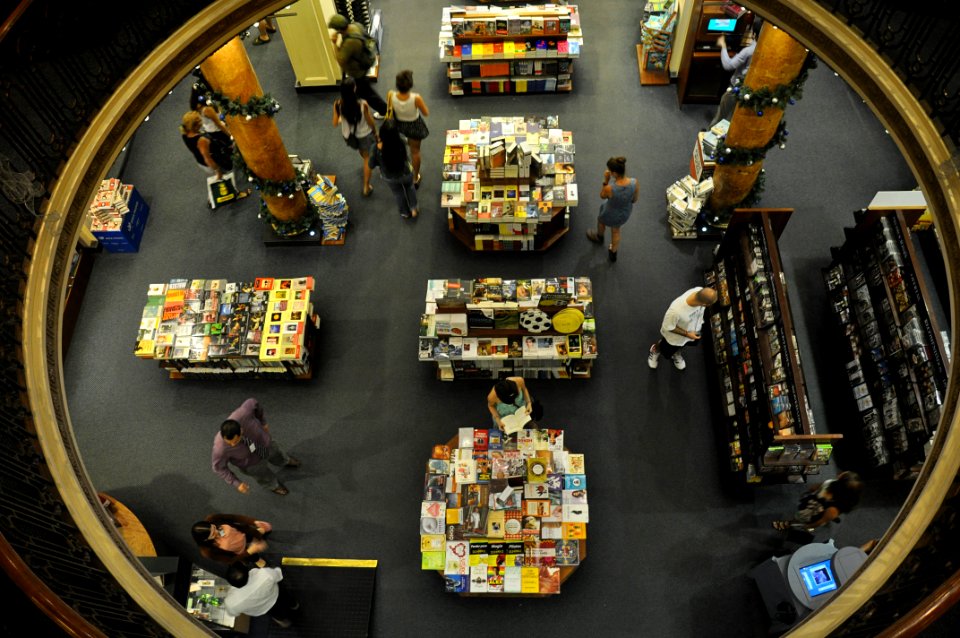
[721, 25]
[818, 578]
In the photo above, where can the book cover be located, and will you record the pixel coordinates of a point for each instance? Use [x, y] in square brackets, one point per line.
[513, 525]
[482, 461]
[457, 557]
[537, 552]
[568, 552]
[576, 513]
[481, 438]
[454, 513]
[512, 579]
[495, 523]
[575, 464]
[456, 583]
[478, 578]
[574, 497]
[529, 580]
[434, 486]
[574, 482]
[433, 560]
[549, 579]
[537, 507]
[535, 491]
[433, 543]
[574, 531]
[465, 438]
[434, 509]
[465, 471]
[495, 579]
[430, 525]
[551, 530]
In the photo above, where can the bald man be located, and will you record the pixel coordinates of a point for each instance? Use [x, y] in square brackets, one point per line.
[681, 325]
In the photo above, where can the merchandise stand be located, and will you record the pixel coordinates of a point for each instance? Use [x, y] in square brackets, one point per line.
[895, 360]
[758, 385]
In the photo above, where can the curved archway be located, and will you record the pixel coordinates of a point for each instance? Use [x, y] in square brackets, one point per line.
[837, 44]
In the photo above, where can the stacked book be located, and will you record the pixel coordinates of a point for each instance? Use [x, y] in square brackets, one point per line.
[685, 200]
[502, 514]
[110, 204]
[245, 325]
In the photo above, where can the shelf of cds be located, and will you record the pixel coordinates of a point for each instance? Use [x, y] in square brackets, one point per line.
[212, 328]
[490, 328]
[504, 515]
[495, 50]
[509, 182]
[894, 357]
[760, 393]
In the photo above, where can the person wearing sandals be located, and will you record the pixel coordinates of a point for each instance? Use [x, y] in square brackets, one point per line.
[265, 27]
[620, 196]
[824, 503]
[244, 441]
[392, 156]
[409, 109]
[356, 124]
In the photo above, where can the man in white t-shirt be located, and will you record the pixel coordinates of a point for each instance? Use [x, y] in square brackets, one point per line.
[257, 591]
[681, 325]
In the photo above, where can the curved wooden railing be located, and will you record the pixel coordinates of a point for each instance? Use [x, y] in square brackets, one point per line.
[48, 485]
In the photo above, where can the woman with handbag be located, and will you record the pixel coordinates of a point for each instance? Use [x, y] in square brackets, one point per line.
[391, 155]
[356, 124]
[409, 109]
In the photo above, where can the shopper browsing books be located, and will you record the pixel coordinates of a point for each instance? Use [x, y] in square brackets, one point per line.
[259, 592]
[244, 442]
[824, 503]
[681, 325]
[392, 156]
[739, 64]
[409, 109]
[620, 194]
[356, 124]
[228, 538]
[509, 396]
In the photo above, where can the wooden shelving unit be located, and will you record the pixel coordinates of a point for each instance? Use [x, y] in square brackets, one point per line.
[511, 49]
[758, 383]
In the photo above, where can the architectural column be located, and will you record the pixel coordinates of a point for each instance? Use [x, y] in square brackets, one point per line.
[229, 72]
[777, 62]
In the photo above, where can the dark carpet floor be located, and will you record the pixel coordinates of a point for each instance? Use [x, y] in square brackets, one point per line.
[669, 549]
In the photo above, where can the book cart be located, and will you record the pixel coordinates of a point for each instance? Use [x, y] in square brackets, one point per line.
[758, 384]
[509, 182]
[495, 50]
[895, 360]
[504, 515]
[491, 328]
[211, 328]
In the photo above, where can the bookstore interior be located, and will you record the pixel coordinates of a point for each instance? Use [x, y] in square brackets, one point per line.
[505, 513]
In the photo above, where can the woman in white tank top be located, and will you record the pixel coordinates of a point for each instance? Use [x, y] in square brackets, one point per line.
[409, 109]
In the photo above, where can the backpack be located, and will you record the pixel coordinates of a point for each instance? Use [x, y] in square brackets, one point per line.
[367, 55]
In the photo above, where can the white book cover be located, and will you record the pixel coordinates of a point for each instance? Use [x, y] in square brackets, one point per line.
[478, 579]
[576, 513]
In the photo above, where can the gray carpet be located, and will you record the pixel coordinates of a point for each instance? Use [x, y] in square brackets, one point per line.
[668, 549]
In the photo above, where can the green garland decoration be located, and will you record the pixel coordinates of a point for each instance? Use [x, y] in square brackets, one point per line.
[764, 97]
[722, 217]
[257, 106]
[271, 187]
[733, 156]
[290, 228]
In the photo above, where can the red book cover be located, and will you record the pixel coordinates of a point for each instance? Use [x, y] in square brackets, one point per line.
[481, 439]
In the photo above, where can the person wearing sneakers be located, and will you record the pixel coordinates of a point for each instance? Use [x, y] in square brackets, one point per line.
[620, 196]
[681, 325]
[244, 441]
[258, 592]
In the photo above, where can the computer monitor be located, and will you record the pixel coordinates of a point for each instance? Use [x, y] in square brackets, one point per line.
[721, 25]
[818, 578]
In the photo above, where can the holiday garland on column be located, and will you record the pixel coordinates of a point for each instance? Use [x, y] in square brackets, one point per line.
[263, 106]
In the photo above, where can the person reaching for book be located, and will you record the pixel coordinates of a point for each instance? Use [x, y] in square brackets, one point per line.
[507, 397]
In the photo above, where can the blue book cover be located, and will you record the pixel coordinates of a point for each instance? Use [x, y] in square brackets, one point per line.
[574, 481]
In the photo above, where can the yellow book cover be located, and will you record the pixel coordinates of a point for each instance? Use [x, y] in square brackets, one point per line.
[574, 531]
[453, 515]
[269, 351]
[495, 522]
[145, 349]
[432, 543]
[529, 580]
[508, 49]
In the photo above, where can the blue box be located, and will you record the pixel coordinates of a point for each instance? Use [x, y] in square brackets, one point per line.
[127, 238]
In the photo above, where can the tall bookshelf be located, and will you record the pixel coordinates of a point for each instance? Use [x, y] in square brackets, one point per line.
[509, 182]
[491, 328]
[495, 50]
[894, 357]
[215, 329]
[758, 385]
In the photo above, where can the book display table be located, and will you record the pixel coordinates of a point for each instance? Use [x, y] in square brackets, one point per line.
[509, 182]
[214, 328]
[504, 515]
[117, 216]
[490, 328]
[494, 50]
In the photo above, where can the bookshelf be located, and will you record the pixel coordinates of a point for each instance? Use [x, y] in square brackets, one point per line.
[758, 385]
[211, 328]
[491, 328]
[496, 50]
[895, 360]
[504, 515]
[509, 182]
[656, 42]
